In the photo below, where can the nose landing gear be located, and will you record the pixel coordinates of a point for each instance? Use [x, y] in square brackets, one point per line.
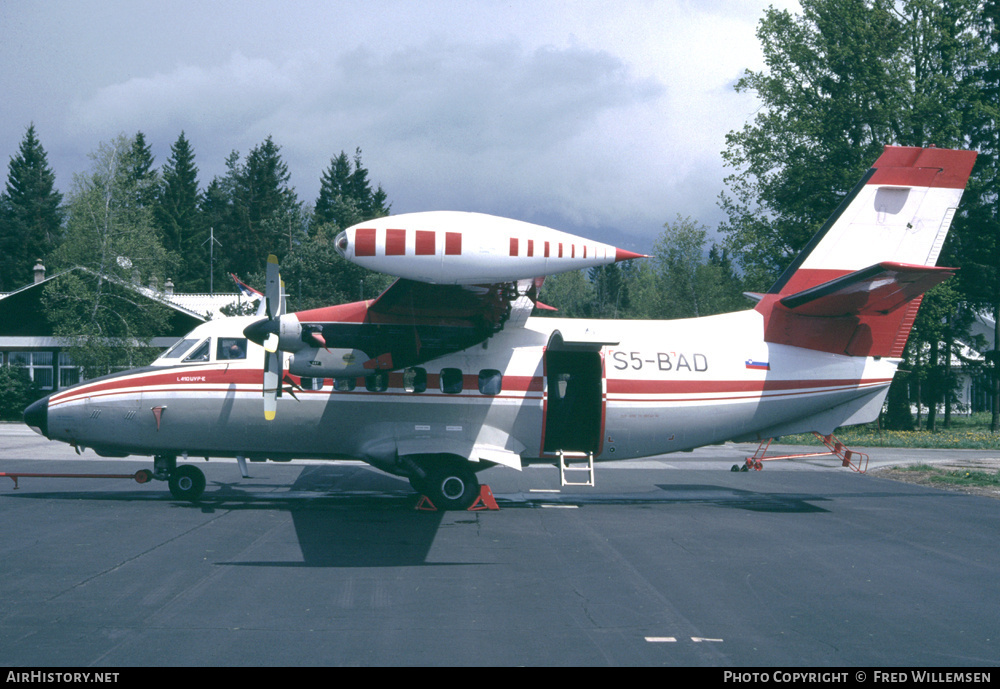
[186, 482]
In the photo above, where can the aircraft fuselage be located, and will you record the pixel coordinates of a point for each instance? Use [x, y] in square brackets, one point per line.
[619, 389]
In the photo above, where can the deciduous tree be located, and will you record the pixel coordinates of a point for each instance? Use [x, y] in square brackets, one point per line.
[99, 310]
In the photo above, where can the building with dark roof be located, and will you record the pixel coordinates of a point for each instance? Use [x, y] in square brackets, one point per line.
[27, 338]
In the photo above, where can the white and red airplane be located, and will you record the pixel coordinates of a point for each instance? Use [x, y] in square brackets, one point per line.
[445, 374]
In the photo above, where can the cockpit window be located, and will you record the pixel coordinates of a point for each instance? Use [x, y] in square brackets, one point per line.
[231, 348]
[200, 352]
[178, 349]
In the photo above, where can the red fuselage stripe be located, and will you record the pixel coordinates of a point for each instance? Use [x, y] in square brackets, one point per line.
[220, 379]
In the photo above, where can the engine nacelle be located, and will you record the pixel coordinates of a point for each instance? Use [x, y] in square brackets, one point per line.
[448, 247]
[329, 363]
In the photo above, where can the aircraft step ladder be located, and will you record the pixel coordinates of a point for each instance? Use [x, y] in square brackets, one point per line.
[565, 466]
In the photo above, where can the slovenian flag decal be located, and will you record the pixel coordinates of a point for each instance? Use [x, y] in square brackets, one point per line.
[758, 365]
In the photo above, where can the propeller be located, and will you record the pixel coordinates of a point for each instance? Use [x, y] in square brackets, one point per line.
[265, 332]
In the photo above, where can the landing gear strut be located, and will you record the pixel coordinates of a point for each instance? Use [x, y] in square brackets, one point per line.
[186, 482]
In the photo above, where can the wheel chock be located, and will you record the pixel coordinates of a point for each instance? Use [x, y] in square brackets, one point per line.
[485, 501]
[424, 504]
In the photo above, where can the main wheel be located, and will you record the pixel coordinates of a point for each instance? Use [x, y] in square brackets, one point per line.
[187, 482]
[452, 488]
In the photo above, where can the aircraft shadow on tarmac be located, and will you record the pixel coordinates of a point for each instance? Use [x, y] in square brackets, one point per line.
[346, 516]
[742, 499]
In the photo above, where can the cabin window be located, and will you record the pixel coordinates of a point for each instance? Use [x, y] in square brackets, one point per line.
[343, 384]
[490, 381]
[377, 382]
[179, 349]
[200, 352]
[451, 380]
[231, 348]
[415, 379]
[312, 383]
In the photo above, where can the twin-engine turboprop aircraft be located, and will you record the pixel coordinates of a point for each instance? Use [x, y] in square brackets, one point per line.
[445, 374]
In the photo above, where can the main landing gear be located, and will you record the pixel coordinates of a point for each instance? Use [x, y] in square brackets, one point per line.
[186, 482]
[449, 485]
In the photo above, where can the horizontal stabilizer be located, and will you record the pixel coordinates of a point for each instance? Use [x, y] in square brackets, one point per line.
[865, 313]
[878, 289]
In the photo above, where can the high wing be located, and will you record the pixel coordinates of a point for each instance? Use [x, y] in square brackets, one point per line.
[463, 277]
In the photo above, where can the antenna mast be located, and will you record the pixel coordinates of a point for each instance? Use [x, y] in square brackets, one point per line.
[211, 241]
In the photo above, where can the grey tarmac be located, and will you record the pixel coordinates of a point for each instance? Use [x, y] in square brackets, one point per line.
[673, 560]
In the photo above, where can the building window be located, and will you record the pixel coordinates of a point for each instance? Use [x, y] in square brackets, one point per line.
[39, 365]
[69, 373]
[490, 381]
[451, 380]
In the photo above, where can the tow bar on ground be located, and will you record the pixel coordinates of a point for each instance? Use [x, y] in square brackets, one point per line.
[856, 461]
[141, 476]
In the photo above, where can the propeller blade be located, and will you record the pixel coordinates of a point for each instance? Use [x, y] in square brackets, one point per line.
[272, 384]
[265, 331]
[272, 291]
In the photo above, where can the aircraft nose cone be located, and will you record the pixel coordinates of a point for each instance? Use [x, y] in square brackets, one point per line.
[259, 330]
[36, 416]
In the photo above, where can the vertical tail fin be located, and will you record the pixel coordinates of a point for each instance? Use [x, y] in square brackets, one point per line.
[856, 286]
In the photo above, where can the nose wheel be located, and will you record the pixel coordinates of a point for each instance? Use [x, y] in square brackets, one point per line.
[187, 482]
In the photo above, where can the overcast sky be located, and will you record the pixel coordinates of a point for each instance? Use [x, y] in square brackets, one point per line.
[605, 119]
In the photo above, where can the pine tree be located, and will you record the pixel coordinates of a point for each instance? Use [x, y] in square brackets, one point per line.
[334, 184]
[266, 215]
[217, 214]
[179, 218]
[345, 195]
[138, 164]
[315, 272]
[30, 213]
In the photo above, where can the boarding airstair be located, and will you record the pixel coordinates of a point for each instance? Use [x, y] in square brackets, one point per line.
[576, 462]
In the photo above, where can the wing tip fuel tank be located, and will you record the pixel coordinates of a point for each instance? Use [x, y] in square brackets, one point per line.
[451, 247]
